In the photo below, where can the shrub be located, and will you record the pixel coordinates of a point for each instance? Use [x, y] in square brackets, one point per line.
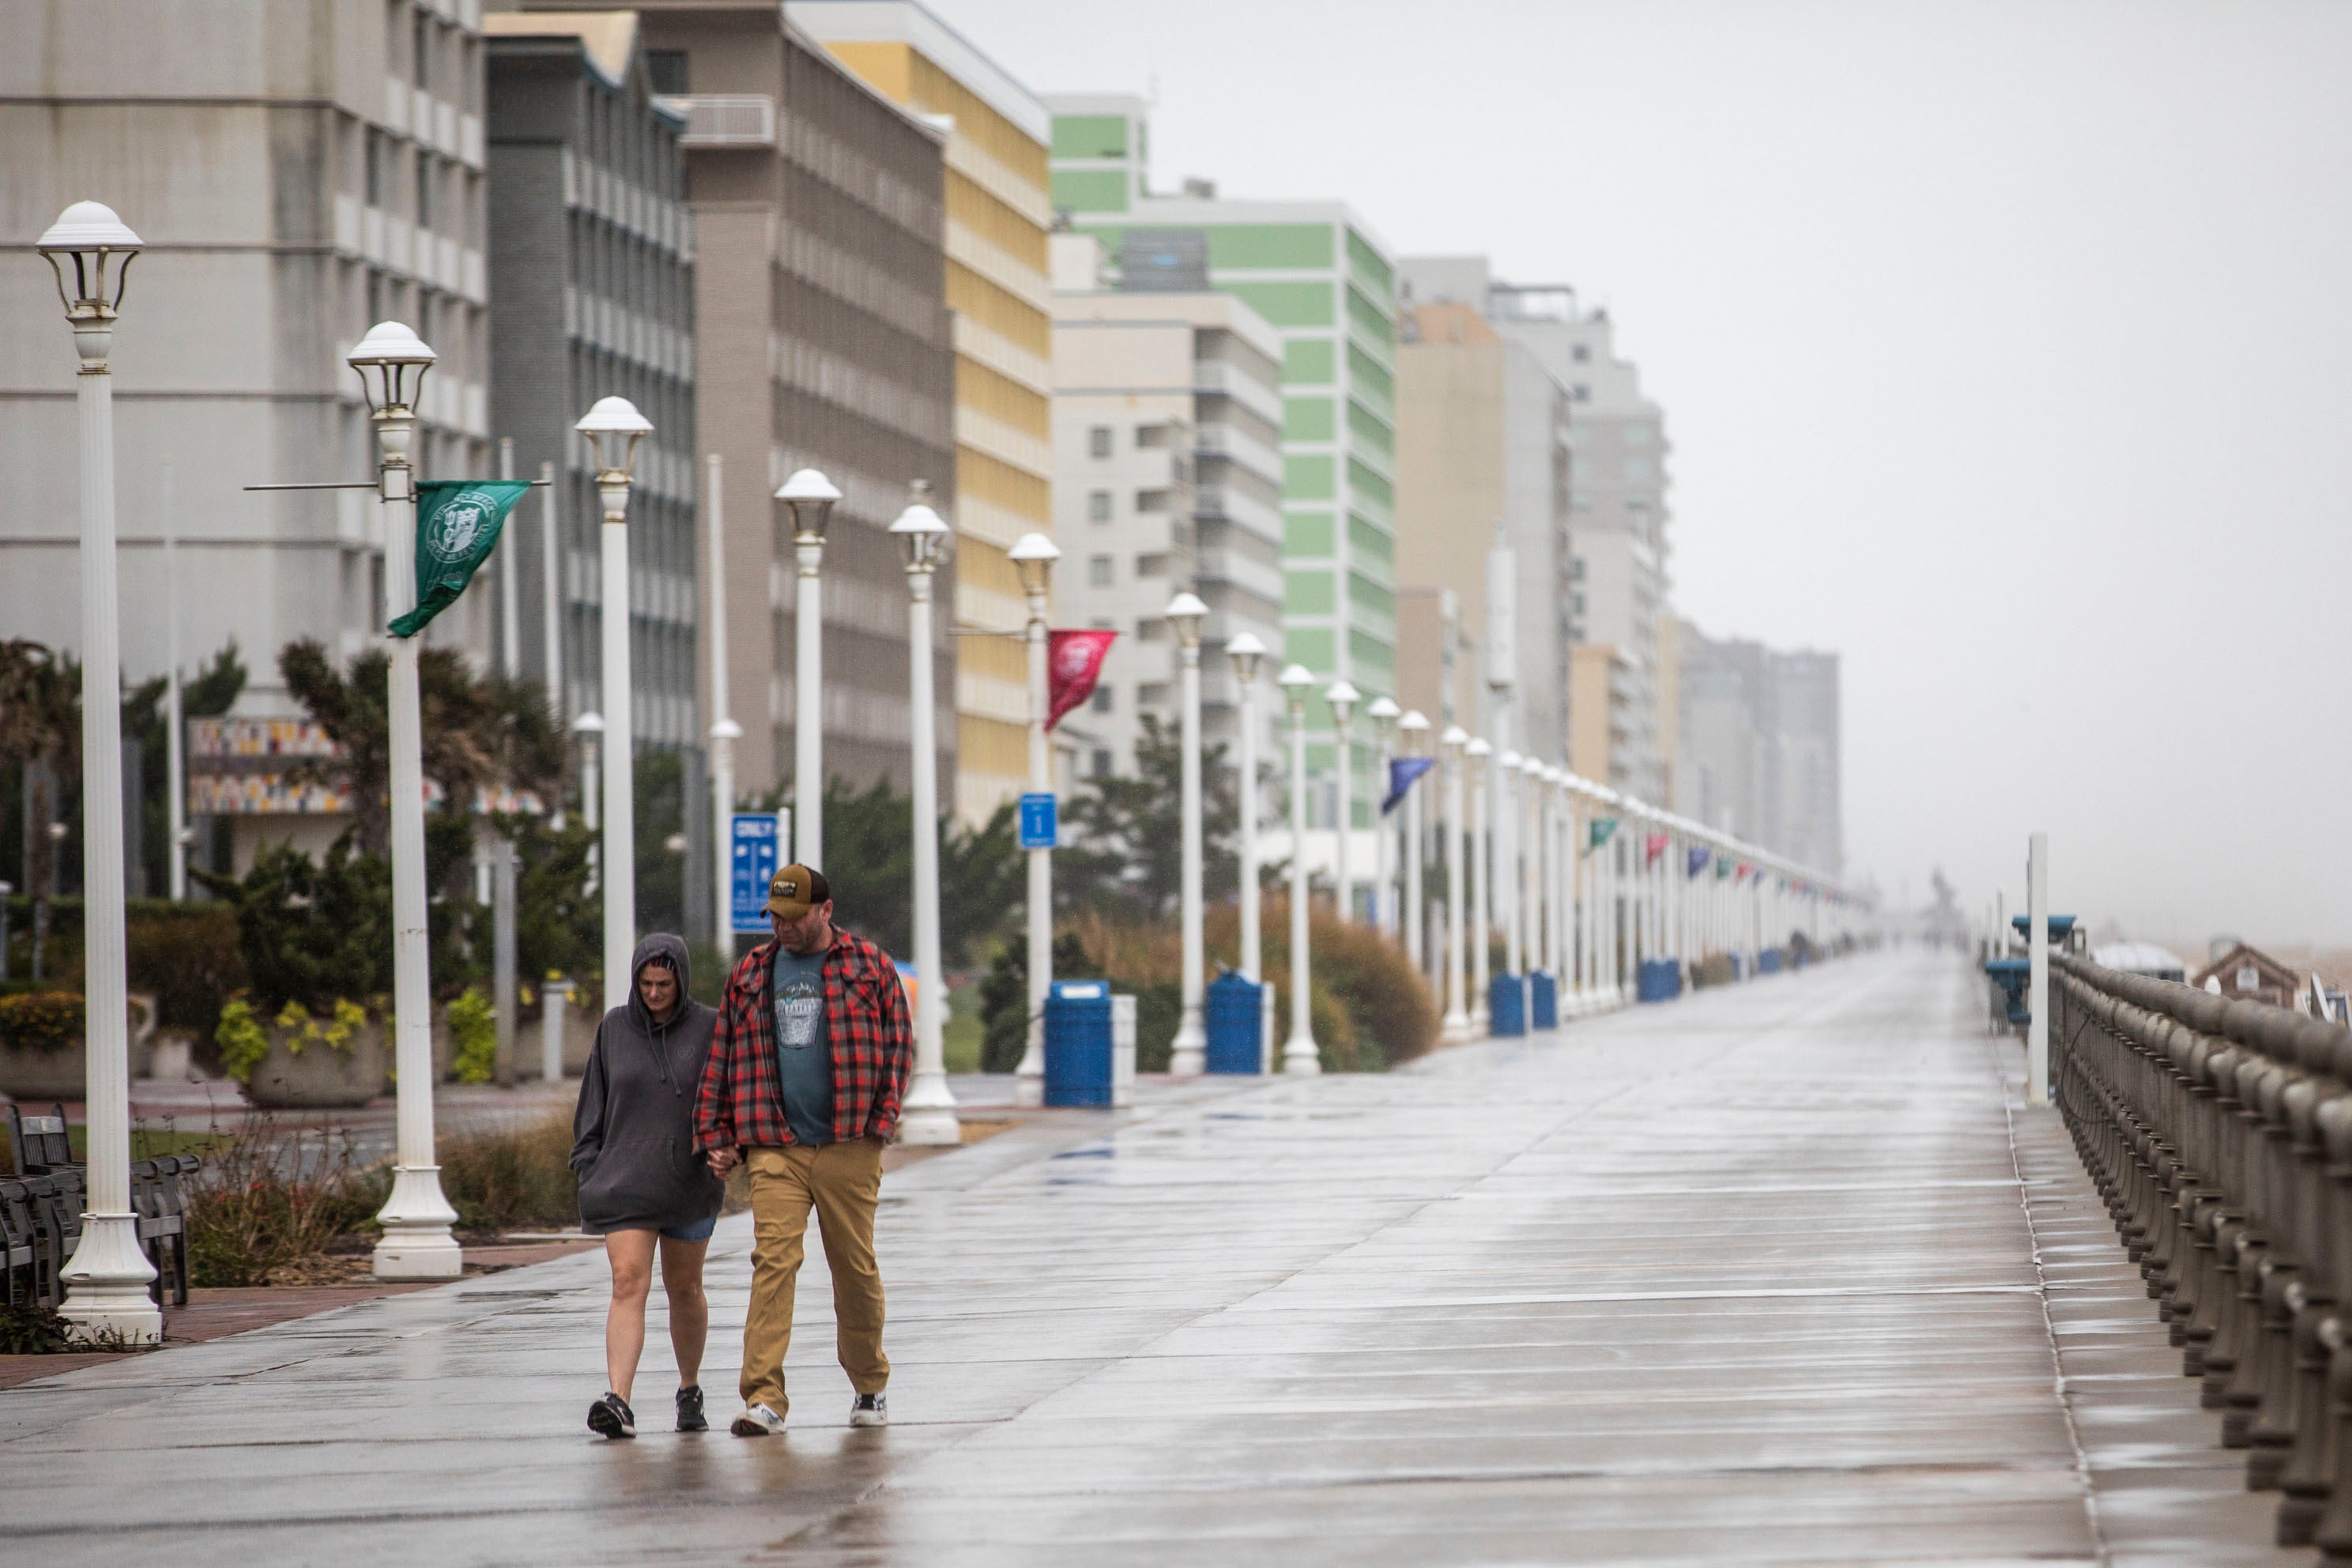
[31, 1330]
[262, 1200]
[314, 933]
[473, 1037]
[241, 1039]
[1005, 997]
[187, 956]
[1367, 1004]
[41, 1020]
[510, 1176]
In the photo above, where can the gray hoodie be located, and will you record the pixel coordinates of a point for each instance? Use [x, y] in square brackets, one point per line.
[633, 1145]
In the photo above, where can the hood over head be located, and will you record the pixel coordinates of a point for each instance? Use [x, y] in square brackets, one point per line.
[660, 945]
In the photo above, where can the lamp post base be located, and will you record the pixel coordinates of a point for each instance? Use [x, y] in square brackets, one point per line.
[106, 1285]
[416, 1242]
[928, 1120]
[1455, 1027]
[1299, 1056]
[1189, 1053]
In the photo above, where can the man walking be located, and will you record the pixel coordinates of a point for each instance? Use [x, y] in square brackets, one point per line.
[806, 1070]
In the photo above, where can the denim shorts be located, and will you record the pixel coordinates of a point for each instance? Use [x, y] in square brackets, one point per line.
[698, 1231]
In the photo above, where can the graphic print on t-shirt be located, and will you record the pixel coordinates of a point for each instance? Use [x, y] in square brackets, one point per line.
[800, 1006]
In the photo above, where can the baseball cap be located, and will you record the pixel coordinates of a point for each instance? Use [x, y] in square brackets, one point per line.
[795, 891]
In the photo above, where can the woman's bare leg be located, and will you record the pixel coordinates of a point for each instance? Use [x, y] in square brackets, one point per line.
[630, 1254]
[690, 1310]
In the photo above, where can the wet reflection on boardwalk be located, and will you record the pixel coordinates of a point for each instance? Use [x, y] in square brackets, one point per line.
[1746, 1279]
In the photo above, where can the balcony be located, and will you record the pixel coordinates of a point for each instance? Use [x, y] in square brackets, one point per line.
[724, 120]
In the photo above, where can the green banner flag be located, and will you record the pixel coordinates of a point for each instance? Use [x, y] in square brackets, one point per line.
[457, 524]
[1722, 867]
[1602, 827]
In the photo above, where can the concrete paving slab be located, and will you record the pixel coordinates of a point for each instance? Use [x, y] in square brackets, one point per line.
[1782, 1273]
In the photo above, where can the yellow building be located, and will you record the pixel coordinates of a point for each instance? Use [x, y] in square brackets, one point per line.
[998, 212]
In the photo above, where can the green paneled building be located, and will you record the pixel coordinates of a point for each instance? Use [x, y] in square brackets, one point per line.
[1317, 271]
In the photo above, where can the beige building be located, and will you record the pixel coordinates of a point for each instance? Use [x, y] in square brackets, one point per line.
[1436, 659]
[1603, 691]
[995, 136]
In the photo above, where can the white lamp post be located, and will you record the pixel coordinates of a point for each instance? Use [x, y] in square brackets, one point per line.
[614, 427]
[1411, 728]
[1299, 1056]
[1457, 1018]
[1475, 754]
[1506, 883]
[590, 729]
[1383, 713]
[809, 497]
[176, 766]
[1190, 1057]
[1531, 864]
[106, 1281]
[1343, 698]
[1248, 653]
[1033, 555]
[550, 600]
[931, 1109]
[416, 1243]
[724, 730]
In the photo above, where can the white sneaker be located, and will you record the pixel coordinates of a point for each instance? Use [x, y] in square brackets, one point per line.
[870, 1410]
[759, 1421]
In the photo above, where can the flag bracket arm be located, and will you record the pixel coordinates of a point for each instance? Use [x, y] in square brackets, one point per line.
[348, 485]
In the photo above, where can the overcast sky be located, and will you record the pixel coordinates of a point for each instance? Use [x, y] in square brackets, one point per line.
[2005, 350]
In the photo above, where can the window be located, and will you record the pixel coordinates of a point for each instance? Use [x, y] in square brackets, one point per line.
[1576, 569]
[1576, 603]
[1151, 500]
[1101, 762]
[1639, 434]
[424, 189]
[1098, 571]
[422, 75]
[1581, 393]
[1102, 624]
[1153, 694]
[1101, 702]
[1151, 436]
[379, 157]
[1581, 352]
[666, 68]
[1150, 628]
[1098, 506]
[1153, 565]
[1098, 441]
[2249, 978]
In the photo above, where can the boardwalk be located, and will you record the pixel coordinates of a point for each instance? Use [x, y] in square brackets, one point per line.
[1748, 1278]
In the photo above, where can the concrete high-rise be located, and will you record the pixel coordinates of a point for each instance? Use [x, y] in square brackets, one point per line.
[1317, 272]
[298, 170]
[822, 339]
[1759, 749]
[591, 264]
[1168, 417]
[1483, 442]
[997, 214]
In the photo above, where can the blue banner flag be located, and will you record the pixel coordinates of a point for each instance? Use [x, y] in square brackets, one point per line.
[1697, 860]
[1402, 770]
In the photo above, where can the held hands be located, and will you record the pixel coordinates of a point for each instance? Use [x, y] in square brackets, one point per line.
[723, 1161]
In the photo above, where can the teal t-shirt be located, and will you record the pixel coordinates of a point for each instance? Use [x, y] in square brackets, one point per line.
[803, 1060]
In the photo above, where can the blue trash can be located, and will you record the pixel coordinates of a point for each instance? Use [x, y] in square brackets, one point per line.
[1506, 1006]
[1769, 962]
[1077, 1043]
[1654, 981]
[1236, 1009]
[1547, 999]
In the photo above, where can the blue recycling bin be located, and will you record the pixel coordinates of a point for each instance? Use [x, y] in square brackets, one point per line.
[1506, 1006]
[1077, 1043]
[1236, 1006]
[1769, 962]
[1545, 1003]
[1658, 979]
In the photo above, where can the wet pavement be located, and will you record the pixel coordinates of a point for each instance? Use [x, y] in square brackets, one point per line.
[1751, 1278]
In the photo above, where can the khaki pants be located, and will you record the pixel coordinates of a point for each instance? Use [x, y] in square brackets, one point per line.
[842, 1182]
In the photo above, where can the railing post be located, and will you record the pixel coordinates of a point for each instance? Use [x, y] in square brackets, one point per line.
[2037, 942]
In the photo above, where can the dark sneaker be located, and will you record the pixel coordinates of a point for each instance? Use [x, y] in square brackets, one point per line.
[689, 1410]
[611, 1416]
[870, 1410]
[759, 1421]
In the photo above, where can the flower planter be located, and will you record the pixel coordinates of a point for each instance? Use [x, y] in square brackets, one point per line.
[32, 1074]
[319, 1076]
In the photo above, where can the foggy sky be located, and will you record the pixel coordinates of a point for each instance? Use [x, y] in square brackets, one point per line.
[2003, 350]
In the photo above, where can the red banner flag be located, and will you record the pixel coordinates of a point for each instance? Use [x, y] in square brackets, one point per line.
[1655, 845]
[1073, 662]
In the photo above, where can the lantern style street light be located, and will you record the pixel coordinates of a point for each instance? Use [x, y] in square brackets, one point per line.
[1299, 1056]
[1033, 555]
[90, 250]
[929, 1113]
[1483, 866]
[1342, 698]
[614, 428]
[809, 496]
[1248, 653]
[1189, 1057]
[1383, 713]
[416, 1243]
[1411, 728]
[1457, 1023]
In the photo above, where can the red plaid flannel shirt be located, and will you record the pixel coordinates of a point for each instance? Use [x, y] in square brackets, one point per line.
[867, 1030]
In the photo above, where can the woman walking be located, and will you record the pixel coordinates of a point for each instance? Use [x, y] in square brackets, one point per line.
[641, 1187]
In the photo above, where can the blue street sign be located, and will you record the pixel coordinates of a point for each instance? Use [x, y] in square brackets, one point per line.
[1038, 822]
[757, 845]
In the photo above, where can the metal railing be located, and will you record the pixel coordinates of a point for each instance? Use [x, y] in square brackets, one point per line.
[2220, 1133]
